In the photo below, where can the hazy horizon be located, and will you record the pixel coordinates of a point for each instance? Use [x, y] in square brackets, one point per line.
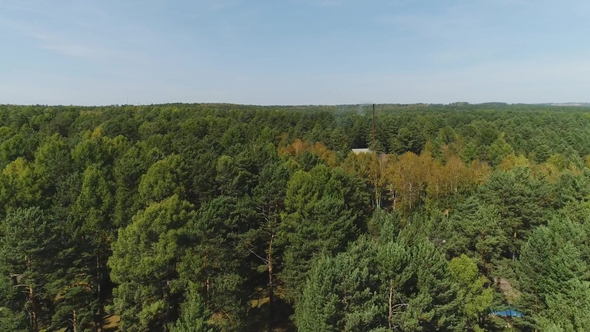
[565, 104]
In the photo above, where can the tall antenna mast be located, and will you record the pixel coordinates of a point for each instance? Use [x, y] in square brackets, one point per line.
[373, 126]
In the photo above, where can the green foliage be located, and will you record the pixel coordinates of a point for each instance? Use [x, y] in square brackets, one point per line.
[216, 259]
[20, 185]
[469, 152]
[319, 219]
[194, 316]
[475, 299]
[233, 179]
[477, 229]
[408, 140]
[18, 145]
[522, 202]
[143, 264]
[554, 275]
[381, 285]
[28, 244]
[163, 179]
[568, 310]
[230, 217]
[339, 295]
[499, 150]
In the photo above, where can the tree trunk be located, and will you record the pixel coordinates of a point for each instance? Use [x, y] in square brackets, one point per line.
[514, 253]
[270, 285]
[98, 314]
[34, 324]
[484, 260]
[33, 313]
[74, 321]
[390, 317]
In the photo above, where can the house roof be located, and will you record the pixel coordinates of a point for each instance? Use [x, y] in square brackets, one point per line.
[366, 150]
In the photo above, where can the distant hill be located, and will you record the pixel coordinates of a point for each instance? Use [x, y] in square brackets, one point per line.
[568, 104]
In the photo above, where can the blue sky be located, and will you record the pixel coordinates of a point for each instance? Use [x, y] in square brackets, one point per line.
[91, 52]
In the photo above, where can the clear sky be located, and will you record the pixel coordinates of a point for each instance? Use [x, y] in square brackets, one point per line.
[102, 52]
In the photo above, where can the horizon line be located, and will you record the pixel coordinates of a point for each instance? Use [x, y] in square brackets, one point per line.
[306, 105]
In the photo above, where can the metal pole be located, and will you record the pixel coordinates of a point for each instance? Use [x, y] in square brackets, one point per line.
[373, 126]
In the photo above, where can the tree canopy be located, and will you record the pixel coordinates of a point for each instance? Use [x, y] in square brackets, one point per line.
[221, 217]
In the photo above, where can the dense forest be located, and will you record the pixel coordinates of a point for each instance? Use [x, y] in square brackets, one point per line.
[218, 217]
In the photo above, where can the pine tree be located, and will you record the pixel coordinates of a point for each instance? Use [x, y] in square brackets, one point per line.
[94, 233]
[163, 179]
[553, 272]
[194, 315]
[341, 293]
[320, 219]
[27, 249]
[380, 284]
[476, 229]
[217, 260]
[269, 197]
[144, 265]
[474, 298]
[522, 203]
